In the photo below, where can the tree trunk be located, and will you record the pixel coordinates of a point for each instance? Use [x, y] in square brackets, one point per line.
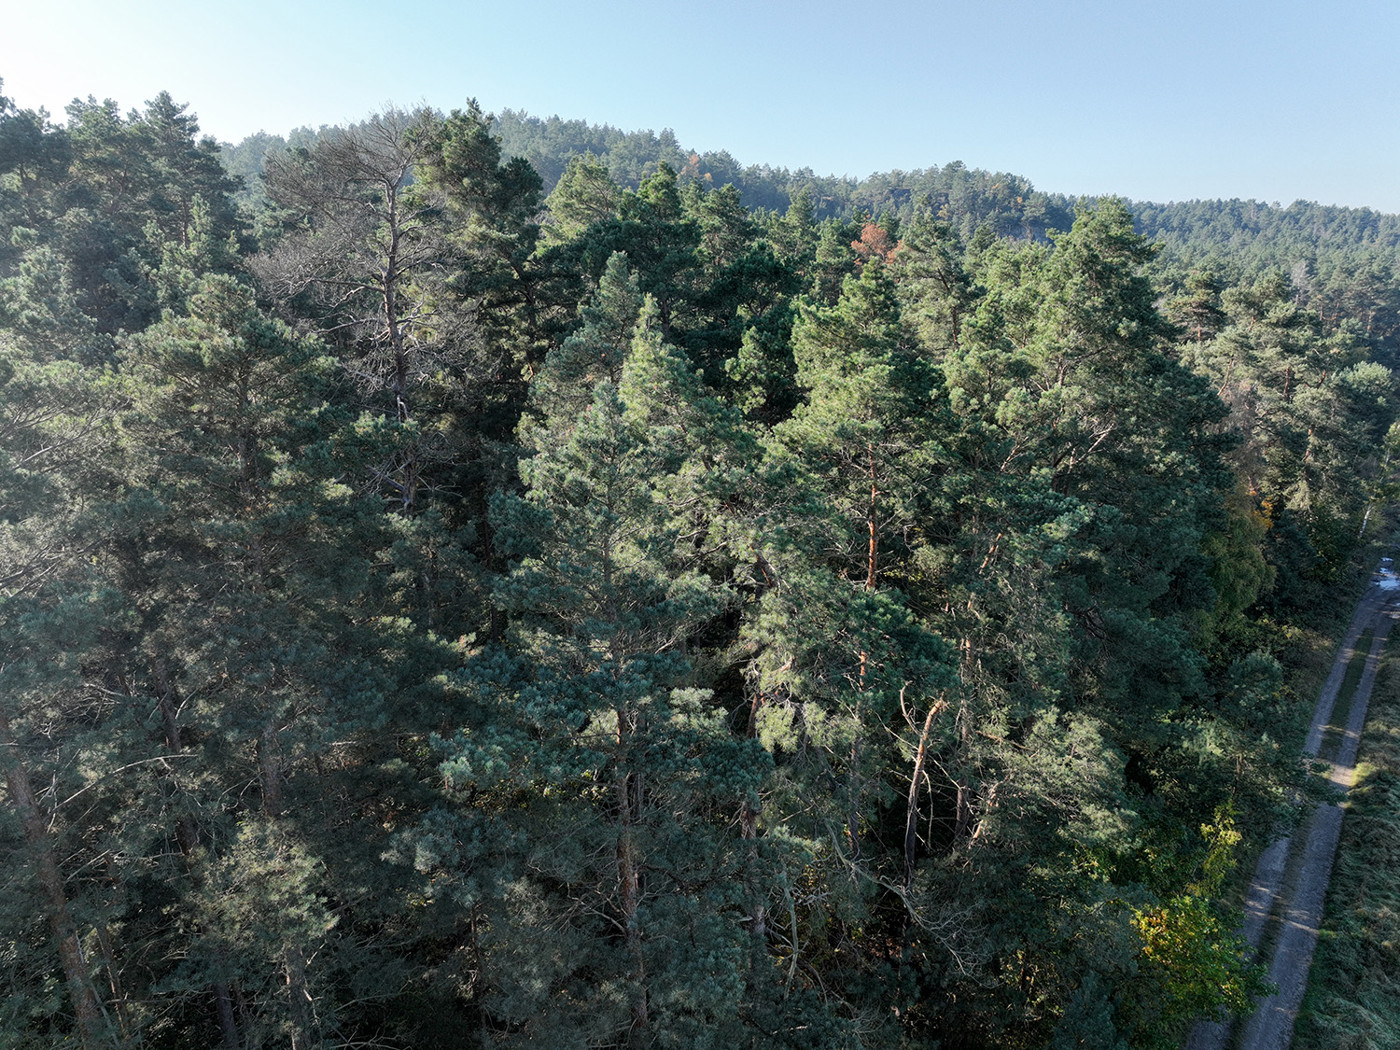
[628, 790]
[911, 812]
[87, 1010]
[188, 840]
[748, 824]
[271, 770]
[393, 328]
[871, 578]
[963, 810]
[873, 548]
[303, 1033]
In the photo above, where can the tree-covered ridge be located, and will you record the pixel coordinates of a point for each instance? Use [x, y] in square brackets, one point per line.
[970, 197]
[450, 601]
[1254, 234]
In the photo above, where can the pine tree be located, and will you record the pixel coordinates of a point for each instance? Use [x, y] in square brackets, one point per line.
[595, 352]
[935, 289]
[248, 562]
[59, 734]
[845, 686]
[867, 424]
[624, 769]
[363, 244]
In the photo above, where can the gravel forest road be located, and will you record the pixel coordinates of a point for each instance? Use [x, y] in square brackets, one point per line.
[1289, 888]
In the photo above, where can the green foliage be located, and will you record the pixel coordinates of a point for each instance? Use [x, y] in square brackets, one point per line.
[1199, 965]
[626, 764]
[703, 606]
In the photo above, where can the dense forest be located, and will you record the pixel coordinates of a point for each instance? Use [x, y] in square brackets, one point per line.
[475, 581]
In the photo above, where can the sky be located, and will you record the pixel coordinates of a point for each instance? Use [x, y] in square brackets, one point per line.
[1154, 101]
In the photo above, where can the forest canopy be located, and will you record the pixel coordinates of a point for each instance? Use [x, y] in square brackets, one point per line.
[476, 581]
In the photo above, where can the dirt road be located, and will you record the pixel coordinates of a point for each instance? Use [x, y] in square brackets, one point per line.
[1289, 889]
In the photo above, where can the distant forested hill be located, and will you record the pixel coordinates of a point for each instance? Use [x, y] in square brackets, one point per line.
[1246, 235]
[967, 197]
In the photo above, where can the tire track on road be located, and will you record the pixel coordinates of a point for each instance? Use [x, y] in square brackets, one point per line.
[1295, 887]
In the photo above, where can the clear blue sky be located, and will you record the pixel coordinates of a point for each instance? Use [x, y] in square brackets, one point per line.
[1154, 101]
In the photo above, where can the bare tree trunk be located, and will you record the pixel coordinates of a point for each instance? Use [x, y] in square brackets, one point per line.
[271, 770]
[223, 1009]
[748, 824]
[871, 578]
[911, 813]
[87, 1010]
[963, 809]
[628, 790]
[109, 963]
[758, 913]
[873, 549]
[303, 1034]
[393, 329]
[853, 801]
